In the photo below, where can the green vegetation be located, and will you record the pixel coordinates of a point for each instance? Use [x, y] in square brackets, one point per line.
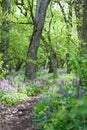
[61, 112]
[43, 50]
[13, 92]
[13, 98]
[3, 72]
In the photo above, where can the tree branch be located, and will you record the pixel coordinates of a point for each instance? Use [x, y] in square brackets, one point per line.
[22, 22]
[49, 38]
[31, 11]
[63, 12]
[19, 3]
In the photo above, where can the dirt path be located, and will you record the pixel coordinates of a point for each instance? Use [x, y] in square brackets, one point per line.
[19, 117]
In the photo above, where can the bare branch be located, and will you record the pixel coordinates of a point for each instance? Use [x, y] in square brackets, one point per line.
[31, 11]
[20, 6]
[63, 12]
[22, 22]
[19, 3]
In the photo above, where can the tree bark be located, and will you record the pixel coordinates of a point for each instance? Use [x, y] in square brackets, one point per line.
[84, 46]
[68, 64]
[69, 34]
[53, 63]
[81, 15]
[6, 9]
[41, 9]
[78, 6]
[68, 21]
[84, 27]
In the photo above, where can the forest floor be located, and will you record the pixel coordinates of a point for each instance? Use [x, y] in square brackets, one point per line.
[19, 117]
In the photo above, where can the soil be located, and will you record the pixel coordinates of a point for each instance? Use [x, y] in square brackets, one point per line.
[19, 117]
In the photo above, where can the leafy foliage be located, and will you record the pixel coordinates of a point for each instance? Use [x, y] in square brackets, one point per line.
[61, 112]
[64, 102]
[3, 72]
[14, 90]
[13, 98]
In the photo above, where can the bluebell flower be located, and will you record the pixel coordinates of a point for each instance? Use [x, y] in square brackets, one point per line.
[60, 91]
[47, 113]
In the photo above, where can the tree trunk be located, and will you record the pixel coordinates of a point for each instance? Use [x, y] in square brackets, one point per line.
[18, 65]
[84, 46]
[50, 65]
[5, 31]
[68, 21]
[81, 15]
[69, 34]
[41, 9]
[84, 27]
[53, 63]
[67, 63]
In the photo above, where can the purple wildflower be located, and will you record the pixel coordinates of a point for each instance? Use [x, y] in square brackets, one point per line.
[22, 84]
[47, 112]
[54, 109]
[0, 109]
[66, 94]
[74, 82]
[81, 94]
[60, 92]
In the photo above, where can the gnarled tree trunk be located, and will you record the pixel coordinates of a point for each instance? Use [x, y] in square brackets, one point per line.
[6, 9]
[41, 9]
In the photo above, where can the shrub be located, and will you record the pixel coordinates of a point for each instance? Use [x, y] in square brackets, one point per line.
[61, 113]
[34, 88]
[12, 92]
[2, 72]
[13, 98]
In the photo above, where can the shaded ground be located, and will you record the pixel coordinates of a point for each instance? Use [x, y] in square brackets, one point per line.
[19, 117]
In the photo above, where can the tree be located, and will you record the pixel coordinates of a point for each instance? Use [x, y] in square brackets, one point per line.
[81, 20]
[68, 21]
[39, 20]
[52, 64]
[84, 27]
[83, 76]
[6, 10]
